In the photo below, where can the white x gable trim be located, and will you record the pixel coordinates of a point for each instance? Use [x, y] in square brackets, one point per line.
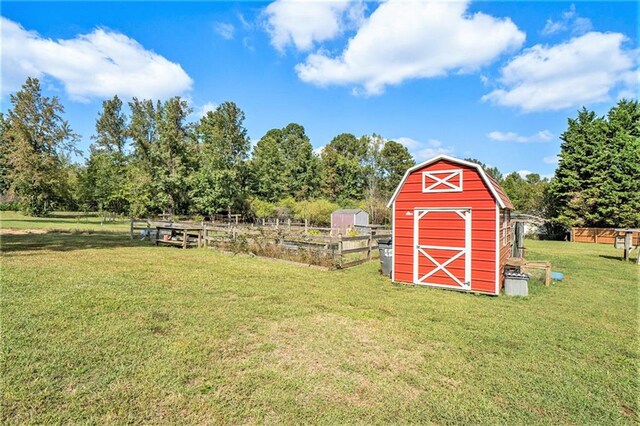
[483, 175]
[443, 181]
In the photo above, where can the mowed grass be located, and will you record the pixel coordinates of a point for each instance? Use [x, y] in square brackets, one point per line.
[62, 221]
[100, 329]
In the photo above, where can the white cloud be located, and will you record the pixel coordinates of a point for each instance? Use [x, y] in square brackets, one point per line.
[410, 144]
[552, 159]
[569, 20]
[304, 23]
[541, 136]
[245, 24]
[319, 150]
[404, 40]
[224, 29]
[581, 71]
[99, 64]
[203, 109]
[423, 151]
[524, 172]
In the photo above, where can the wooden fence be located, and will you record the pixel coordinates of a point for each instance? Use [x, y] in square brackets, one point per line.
[598, 235]
[343, 251]
[340, 251]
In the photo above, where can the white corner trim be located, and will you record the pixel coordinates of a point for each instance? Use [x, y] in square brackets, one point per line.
[393, 243]
[497, 250]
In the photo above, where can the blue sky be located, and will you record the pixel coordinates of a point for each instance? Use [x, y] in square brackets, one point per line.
[492, 80]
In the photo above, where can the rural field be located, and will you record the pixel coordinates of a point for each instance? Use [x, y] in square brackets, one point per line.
[97, 328]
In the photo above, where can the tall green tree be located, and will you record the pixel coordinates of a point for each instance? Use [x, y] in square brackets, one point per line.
[344, 167]
[302, 165]
[597, 182]
[174, 154]
[284, 164]
[37, 138]
[621, 187]
[141, 171]
[221, 182]
[528, 194]
[268, 167]
[4, 156]
[493, 171]
[105, 177]
[576, 188]
[395, 160]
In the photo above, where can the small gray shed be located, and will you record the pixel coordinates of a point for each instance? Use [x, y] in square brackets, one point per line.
[344, 219]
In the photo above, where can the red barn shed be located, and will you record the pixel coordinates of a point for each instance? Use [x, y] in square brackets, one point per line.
[450, 227]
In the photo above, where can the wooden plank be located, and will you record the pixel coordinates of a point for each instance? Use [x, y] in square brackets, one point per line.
[171, 242]
[354, 263]
[358, 238]
[355, 250]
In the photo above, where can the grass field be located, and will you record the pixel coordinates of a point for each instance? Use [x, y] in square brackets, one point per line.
[102, 329]
[62, 221]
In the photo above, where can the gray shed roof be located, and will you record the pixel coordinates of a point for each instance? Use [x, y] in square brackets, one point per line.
[348, 211]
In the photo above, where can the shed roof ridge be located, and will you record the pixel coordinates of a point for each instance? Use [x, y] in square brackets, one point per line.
[493, 185]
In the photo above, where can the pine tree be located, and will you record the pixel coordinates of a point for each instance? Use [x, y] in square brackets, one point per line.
[597, 180]
[575, 188]
[620, 206]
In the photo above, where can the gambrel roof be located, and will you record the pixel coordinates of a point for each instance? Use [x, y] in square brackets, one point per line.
[494, 187]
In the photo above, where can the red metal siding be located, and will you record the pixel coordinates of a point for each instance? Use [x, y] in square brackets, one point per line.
[475, 195]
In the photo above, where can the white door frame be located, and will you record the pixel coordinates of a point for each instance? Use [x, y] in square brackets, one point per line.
[421, 250]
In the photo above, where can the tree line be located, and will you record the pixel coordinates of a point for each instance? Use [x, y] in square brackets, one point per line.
[151, 159]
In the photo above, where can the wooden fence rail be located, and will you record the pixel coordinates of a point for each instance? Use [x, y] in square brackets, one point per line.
[343, 250]
[599, 235]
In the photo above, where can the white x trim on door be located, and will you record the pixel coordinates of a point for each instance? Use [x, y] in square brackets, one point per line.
[443, 181]
[457, 252]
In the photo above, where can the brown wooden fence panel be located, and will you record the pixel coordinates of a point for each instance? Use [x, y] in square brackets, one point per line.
[599, 235]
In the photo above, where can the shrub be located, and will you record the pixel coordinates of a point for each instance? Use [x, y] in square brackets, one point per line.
[7, 206]
[316, 211]
[261, 209]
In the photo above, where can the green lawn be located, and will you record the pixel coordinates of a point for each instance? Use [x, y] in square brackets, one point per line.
[63, 221]
[101, 329]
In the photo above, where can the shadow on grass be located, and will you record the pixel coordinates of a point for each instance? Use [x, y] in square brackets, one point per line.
[66, 242]
[69, 221]
[608, 256]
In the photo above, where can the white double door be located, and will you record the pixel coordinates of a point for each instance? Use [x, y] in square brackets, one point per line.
[442, 247]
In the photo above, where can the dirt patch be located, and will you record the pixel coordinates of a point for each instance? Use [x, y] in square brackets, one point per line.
[4, 231]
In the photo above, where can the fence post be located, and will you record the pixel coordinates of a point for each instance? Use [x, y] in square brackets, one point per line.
[131, 231]
[370, 247]
[595, 235]
[340, 246]
[306, 226]
[233, 233]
